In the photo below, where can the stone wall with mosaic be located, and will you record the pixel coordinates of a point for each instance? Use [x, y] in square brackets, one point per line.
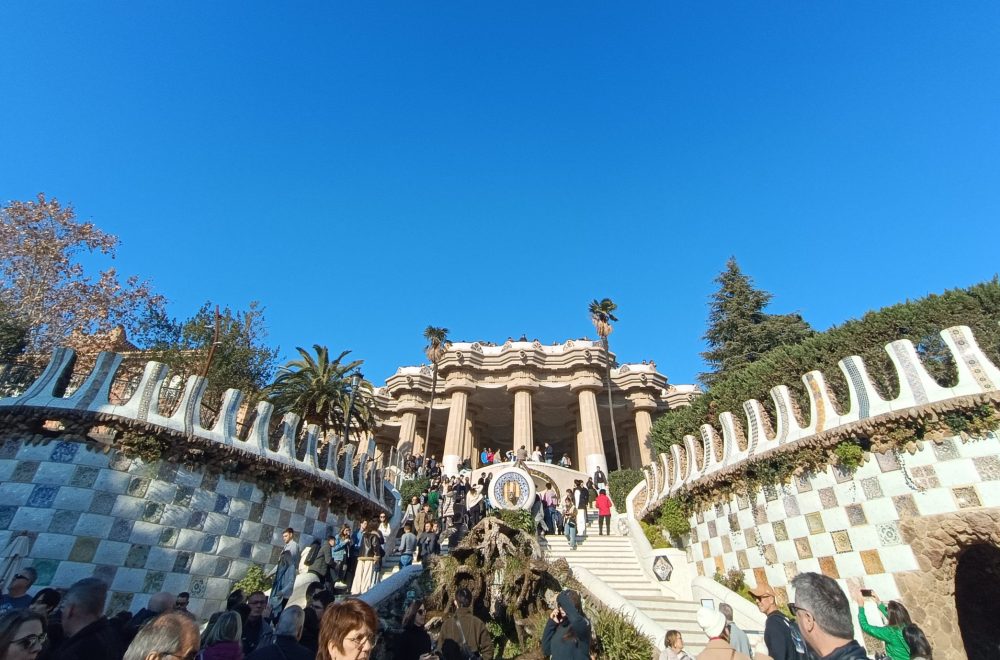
[142, 527]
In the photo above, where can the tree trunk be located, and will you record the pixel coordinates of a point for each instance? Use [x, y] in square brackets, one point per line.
[611, 409]
[430, 410]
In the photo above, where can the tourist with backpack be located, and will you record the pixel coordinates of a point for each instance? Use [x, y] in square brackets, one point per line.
[781, 634]
[319, 559]
[463, 635]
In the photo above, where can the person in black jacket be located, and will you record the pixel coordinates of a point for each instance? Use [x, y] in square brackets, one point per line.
[781, 637]
[319, 559]
[89, 635]
[286, 639]
[413, 642]
[567, 632]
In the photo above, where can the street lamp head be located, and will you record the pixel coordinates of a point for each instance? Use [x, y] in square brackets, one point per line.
[356, 379]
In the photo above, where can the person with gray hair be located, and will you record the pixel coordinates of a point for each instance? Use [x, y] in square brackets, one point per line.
[737, 638]
[170, 636]
[89, 635]
[158, 604]
[286, 639]
[824, 617]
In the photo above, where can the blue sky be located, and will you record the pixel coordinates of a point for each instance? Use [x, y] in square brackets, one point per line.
[367, 169]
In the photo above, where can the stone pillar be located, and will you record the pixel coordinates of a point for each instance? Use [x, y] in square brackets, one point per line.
[522, 420]
[407, 434]
[454, 440]
[591, 444]
[469, 445]
[643, 405]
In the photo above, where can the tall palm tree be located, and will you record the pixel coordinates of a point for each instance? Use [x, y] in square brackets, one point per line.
[602, 313]
[437, 344]
[319, 390]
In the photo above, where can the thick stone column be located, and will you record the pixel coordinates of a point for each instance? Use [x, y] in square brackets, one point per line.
[454, 439]
[591, 444]
[643, 405]
[522, 420]
[469, 443]
[407, 433]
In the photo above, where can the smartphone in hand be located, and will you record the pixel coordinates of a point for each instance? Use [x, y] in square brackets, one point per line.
[867, 593]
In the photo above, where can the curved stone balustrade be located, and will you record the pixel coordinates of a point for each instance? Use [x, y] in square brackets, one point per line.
[350, 473]
[713, 454]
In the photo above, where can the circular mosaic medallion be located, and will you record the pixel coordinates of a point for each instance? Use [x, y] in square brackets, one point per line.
[512, 489]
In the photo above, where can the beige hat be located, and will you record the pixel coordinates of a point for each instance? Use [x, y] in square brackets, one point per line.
[761, 591]
[711, 621]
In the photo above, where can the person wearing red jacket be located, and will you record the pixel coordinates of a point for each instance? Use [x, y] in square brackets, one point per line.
[603, 504]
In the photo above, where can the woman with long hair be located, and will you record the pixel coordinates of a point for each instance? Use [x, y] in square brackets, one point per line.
[674, 643]
[348, 631]
[413, 642]
[569, 521]
[920, 648]
[223, 640]
[892, 634]
[567, 632]
[22, 635]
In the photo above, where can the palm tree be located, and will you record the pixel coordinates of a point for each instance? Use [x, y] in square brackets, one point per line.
[601, 315]
[319, 390]
[437, 344]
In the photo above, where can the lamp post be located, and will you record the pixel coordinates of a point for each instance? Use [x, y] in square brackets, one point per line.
[356, 379]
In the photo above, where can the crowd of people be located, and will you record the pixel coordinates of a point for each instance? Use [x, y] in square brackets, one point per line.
[822, 627]
[419, 466]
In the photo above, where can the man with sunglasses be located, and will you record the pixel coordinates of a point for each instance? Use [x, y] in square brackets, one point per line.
[782, 637]
[17, 597]
[255, 627]
[824, 617]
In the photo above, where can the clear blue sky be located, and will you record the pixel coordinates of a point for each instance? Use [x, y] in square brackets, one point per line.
[367, 169]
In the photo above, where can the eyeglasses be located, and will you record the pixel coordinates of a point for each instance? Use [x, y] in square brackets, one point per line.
[361, 640]
[31, 641]
[18, 576]
[190, 655]
[795, 609]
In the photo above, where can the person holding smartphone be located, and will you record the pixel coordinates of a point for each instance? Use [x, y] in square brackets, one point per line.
[567, 632]
[897, 616]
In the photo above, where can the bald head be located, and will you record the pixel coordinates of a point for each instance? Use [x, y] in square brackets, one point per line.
[161, 602]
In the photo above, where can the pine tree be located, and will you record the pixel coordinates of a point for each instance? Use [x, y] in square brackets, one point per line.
[739, 330]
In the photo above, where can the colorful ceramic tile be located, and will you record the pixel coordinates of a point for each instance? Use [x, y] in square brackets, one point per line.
[137, 556]
[64, 452]
[791, 570]
[727, 545]
[760, 514]
[966, 497]
[103, 503]
[803, 548]
[770, 493]
[925, 476]
[872, 562]
[856, 515]
[945, 449]
[803, 483]
[63, 522]
[153, 582]
[743, 502]
[43, 496]
[841, 541]
[906, 506]
[121, 601]
[887, 462]
[791, 506]
[24, 472]
[780, 531]
[84, 476]
[988, 467]
[741, 559]
[872, 488]
[828, 567]
[828, 498]
[770, 555]
[712, 531]
[888, 533]
[121, 530]
[152, 512]
[814, 521]
[84, 549]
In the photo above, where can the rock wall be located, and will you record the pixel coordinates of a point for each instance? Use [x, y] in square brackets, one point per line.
[143, 527]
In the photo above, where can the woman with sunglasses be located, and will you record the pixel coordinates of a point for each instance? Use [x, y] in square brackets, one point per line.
[22, 635]
[413, 643]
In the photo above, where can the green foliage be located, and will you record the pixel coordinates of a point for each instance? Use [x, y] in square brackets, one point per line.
[618, 638]
[739, 332]
[920, 321]
[732, 580]
[14, 334]
[620, 484]
[254, 580]
[240, 360]
[519, 519]
[320, 389]
[654, 534]
[673, 517]
[849, 455]
[411, 488]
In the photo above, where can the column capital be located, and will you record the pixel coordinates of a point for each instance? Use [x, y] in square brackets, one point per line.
[459, 382]
[642, 400]
[586, 382]
[411, 403]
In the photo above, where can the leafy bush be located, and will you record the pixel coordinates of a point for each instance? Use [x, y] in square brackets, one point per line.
[849, 456]
[412, 488]
[673, 517]
[618, 638]
[732, 580]
[620, 484]
[654, 534]
[255, 580]
[919, 321]
[519, 519]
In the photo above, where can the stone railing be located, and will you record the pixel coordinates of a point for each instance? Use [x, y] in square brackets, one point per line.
[350, 477]
[712, 454]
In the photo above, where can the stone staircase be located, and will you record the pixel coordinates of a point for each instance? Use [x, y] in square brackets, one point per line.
[612, 559]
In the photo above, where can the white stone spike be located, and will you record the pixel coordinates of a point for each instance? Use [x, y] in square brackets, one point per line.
[667, 476]
[976, 373]
[865, 400]
[696, 457]
[42, 390]
[789, 429]
[730, 439]
[224, 429]
[258, 440]
[916, 387]
[758, 440]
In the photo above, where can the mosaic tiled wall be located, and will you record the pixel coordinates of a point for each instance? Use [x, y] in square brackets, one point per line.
[142, 527]
[846, 526]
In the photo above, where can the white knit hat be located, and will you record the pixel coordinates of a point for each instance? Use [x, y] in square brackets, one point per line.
[711, 621]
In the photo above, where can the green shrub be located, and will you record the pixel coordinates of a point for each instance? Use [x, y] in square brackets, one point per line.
[673, 517]
[254, 580]
[618, 638]
[412, 488]
[620, 484]
[654, 534]
[519, 519]
[849, 456]
[919, 321]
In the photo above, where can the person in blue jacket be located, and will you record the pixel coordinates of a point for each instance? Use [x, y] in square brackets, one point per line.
[567, 632]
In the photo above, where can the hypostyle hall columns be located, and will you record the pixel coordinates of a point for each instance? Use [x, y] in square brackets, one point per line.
[522, 385]
[454, 440]
[408, 407]
[591, 448]
[643, 404]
